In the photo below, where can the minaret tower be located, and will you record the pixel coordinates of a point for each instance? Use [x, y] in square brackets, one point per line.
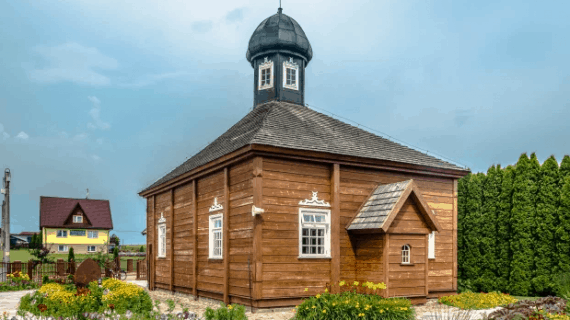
[279, 52]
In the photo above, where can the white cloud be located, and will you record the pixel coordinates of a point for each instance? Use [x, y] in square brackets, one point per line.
[63, 134]
[100, 141]
[80, 137]
[22, 135]
[95, 114]
[5, 135]
[95, 157]
[154, 78]
[73, 62]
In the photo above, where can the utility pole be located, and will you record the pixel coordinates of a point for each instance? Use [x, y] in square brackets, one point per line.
[6, 221]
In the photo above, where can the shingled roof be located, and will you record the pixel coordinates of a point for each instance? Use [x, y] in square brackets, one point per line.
[55, 211]
[380, 209]
[288, 125]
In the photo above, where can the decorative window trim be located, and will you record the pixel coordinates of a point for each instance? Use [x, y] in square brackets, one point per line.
[267, 64]
[431, 245]
[161, 228]
[327, 231]
[63, 234]
[91, 247]
[290, 65]
[216, 206]
[77, 219]
[314, 201]
[406, 254]
[90, 233]
[65, 248]
[211, 230]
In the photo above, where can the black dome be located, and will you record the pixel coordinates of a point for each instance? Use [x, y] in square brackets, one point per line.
[279, 32]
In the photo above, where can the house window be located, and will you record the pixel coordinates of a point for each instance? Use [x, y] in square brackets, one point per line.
[77, 233]
[431, 245]
[93, 234]
[265, 75]
[290, 74]
[61, 248]
[406, 254]
[91, 248]
[78, 219]
[314, 233]
[216, 236]
[62, 233]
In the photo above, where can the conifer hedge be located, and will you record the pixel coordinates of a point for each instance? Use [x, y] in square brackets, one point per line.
[514, 227]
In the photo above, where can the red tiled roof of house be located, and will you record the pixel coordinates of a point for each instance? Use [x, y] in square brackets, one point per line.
[55, 211]
[28, 233]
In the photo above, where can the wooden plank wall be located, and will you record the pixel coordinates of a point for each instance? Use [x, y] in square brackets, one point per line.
[183, 244]
[409, 220]
[162, 265]
[150, 234]
[369, 249]
[285, 183]
[407, 280]
[355, 186]
[241, 228]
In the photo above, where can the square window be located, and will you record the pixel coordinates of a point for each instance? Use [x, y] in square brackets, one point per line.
[62, 248]
[93, 234]
[91, 248]
[77, 219]
[62, 233]
[314, 233]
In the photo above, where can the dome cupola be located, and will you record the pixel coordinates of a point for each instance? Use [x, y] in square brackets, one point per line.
[279, 52]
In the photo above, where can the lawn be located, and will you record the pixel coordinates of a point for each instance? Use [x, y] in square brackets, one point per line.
[24, 255]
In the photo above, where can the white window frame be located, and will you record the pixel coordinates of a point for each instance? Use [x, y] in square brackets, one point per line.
[212, 230]
[65, 248]
[161, 228]
[315, 225]
[62, 232]
[431, 245]
[267, 64]
[90, 233]
[89, 249]
[406, 254]
[77, 219]
[293, 66]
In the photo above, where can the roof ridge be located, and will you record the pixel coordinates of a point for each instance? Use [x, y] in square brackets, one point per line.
[271, 107]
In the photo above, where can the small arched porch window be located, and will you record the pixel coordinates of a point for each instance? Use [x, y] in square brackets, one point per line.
[406, 251]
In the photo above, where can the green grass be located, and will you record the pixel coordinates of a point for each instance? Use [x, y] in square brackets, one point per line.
[24, 256]
[527, 298]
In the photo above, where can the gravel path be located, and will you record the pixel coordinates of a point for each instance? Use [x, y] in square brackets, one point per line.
[9, 301]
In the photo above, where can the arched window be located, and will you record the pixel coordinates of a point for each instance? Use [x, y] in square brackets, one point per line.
[406, 251]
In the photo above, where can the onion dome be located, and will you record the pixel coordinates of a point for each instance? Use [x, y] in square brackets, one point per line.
[279, 32]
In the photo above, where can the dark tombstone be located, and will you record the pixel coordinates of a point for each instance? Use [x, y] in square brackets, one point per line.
[87, 271]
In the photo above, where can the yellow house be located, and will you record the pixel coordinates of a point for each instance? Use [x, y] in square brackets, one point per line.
[83, 224]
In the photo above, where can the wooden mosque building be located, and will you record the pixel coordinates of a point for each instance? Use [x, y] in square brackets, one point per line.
[289, 198]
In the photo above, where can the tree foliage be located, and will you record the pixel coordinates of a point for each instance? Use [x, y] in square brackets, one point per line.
[487, 280]
[563, 229]
[545, 253]
[70, 255]
[504, 229]
[472, 220]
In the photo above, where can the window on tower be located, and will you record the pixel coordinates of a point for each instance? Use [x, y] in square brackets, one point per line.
[290, 75]
[265, 75]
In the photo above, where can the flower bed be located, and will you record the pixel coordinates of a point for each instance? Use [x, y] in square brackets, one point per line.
[477, 301]
[17, 281]
[67, 301]
[353, 305]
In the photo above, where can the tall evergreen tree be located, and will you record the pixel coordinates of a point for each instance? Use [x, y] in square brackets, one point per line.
[504, 229]
[472, 263]
[546, 221]
[487, 280]
[461, 212]
[522, 224]
[563, 229]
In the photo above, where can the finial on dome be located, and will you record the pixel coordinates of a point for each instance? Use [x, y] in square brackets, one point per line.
[280, 10]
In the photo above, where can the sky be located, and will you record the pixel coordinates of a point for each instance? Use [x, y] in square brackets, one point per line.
[112, 95]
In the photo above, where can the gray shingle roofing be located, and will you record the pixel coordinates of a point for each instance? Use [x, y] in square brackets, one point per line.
[378, 207]
[288, 125]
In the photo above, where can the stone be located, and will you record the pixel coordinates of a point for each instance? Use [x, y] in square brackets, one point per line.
[87, 271]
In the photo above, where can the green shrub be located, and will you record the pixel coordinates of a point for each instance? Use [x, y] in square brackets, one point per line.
[233, 312]
[476, 301]
[351, 305]
[141, 249]
[71, 255]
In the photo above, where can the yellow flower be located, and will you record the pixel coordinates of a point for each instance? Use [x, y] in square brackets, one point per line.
[318, 296]
[230, 307]
[342, 283]
[306, 289]
[324, 311]
[361, 314]
[313, 307]
[355, 283]
[326, 289]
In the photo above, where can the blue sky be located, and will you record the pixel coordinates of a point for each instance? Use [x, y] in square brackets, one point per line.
[111, 95]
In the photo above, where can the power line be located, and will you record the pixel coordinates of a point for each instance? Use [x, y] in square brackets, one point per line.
[387, 135]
